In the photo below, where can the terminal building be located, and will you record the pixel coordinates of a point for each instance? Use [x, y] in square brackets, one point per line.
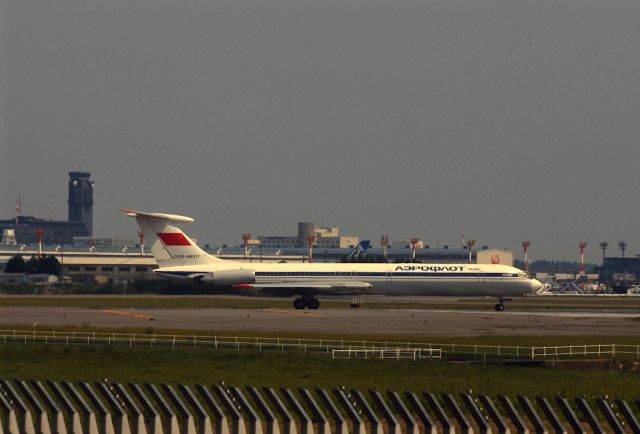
[325, 238]
[620, 274]
[24, 229]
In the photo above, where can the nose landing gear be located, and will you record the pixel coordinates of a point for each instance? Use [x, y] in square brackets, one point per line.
[500, 306]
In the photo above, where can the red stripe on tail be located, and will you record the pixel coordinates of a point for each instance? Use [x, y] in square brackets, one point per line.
[174, 239]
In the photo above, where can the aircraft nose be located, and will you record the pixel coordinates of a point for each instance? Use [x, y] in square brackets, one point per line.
[536, 286]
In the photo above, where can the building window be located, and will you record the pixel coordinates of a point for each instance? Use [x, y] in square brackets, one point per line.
[90, 268]
[107, 268]
[74, 268]
[124, 269]
[141, 269]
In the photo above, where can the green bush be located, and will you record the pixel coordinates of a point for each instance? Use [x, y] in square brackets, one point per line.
[47, 264]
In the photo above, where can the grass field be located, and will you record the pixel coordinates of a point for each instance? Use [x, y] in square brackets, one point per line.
[75, 363]
[168, 302]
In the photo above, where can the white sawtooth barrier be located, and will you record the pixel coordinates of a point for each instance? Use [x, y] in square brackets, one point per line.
[92, 408]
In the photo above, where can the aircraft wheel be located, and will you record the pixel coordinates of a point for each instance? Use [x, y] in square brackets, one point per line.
[499, 307]
[314, 303]
[298, 303]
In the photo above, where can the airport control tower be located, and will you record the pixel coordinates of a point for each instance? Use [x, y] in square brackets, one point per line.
[81, 200]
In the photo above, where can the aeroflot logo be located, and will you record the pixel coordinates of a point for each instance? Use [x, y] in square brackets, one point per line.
[428, 268]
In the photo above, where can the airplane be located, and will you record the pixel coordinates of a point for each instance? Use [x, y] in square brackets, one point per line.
[180, 259]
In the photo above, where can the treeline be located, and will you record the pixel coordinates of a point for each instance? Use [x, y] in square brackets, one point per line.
[47, 264]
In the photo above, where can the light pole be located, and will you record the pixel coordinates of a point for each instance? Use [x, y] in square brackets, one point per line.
[622, 245]
[603, 246]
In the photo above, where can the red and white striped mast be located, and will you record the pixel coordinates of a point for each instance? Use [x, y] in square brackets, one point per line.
[414, 245]
[311, 239]
[141, 237]
[470, 244]
[582, 245]
[40, 237]
[18, 206]
[384, 240]
[245, 240]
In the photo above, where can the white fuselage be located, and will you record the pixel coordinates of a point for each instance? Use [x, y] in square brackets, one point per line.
[386, 279]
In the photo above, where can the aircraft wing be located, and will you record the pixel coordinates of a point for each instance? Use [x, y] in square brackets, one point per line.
[335, 287]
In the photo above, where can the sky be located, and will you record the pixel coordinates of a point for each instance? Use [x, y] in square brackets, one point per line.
[511, 120]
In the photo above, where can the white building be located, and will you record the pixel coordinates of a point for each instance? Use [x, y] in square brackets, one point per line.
[325, 238]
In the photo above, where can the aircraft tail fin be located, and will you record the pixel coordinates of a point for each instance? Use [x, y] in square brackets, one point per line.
[360, 251]
[169, 244]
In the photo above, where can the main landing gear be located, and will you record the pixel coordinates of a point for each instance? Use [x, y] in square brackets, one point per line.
[500, 306]
[310, 303]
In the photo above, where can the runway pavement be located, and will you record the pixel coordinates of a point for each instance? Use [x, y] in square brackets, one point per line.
[418, 322]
